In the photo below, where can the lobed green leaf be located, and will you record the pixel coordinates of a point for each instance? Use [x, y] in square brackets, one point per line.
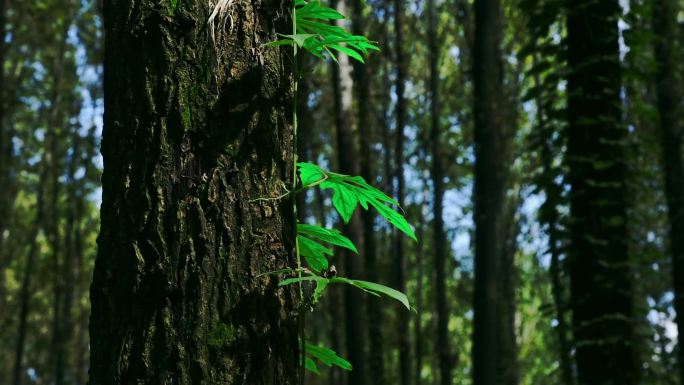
[310, 365]
[327, 356]
[331, 236]
[344, 199]
[310, 173]
[314, 253]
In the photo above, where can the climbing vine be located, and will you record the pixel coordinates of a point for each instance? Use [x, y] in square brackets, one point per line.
[313, 32]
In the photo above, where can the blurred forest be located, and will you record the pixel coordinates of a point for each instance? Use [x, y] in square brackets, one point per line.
[535, 142]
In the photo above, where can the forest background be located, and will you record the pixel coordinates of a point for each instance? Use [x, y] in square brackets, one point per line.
[408, 122]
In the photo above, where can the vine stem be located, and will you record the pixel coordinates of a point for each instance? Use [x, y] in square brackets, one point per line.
[295, 74]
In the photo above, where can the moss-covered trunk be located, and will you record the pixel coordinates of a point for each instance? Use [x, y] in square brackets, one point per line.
[195, 131]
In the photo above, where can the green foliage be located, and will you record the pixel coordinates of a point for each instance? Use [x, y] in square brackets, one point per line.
[308, 238]
[314, 253]
[315, 33]
[376, 289]
[350, 191]
[373, 288]
[325, 356]
[331, 236]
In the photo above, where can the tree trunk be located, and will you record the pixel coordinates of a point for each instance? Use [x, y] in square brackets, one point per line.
[195, 131]
[376, 362]
[441, 254]
[549, 218]
[508, 371]
[669, 98]
[348, 164]
[508, 228]
[27, 277]
[488, 188]
[72, 246]
[5, 141]
[600, 279]
[305, 129]
[399, 245]
[7, 193]
[418, 338]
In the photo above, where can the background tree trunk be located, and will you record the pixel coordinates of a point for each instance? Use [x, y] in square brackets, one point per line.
[399, 245]
[27, 278]
[600, 273]
[6, 157]
[488, 188]
[508, 371]
[194, 131]
[305, 130]
[441, 254]
[418, 327]
[354, 299]
[376, 361]
[669, 109]
[550, 218]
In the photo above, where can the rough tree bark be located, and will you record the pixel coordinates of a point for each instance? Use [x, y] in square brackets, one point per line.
[196, 131]
[600, 279]
[672, 132]
[488, 188]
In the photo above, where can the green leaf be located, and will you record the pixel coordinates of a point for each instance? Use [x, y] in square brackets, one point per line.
[313, 18]
[324, 30]
[376, 289]
[321, 285]
[331, 236]
[278, 43]
[314, 253]
[326, 356]
[344, 199]
[362, 187]
[310, 365]
[281, 271]
[307, 278]
[316, 10]
[396, 219]
[366, 195]
[350, 52]
[299, 38]
[348, 191]
[310, 173]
